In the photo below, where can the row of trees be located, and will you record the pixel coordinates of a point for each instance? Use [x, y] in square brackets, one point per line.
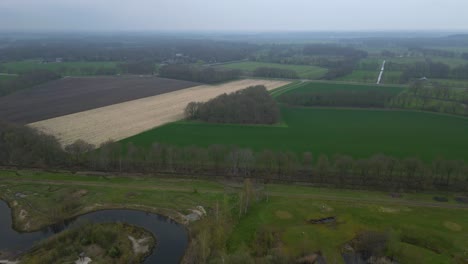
[137, 67]
[124, 48]
[23, 146]
[379, 171]
[430, 96]
[198, 74]
[26, 80]
[270, 72]
[340, 98]
[429, 69]
[253, 105]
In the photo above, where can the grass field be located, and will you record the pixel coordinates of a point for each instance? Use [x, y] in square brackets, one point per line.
[303, 71]
[361, 76]
[359, 133]
[419, 226]
[356, 132]
[6, 77]
[65, 68]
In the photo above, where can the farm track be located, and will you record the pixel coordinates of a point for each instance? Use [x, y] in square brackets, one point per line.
[347, 199]
[119, 121]
[76, 94]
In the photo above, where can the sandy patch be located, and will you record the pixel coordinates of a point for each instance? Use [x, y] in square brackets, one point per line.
[283, 215]
[140, 246]
[388, 210]
[325, 208]
[80, 193]
[23, 214]
[452, 226]
[126, 119]
[86, 260]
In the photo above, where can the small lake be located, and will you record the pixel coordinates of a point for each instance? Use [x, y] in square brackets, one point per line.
[171, 237]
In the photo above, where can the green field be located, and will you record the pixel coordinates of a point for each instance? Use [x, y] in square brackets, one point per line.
[361, 76]
[356, 132]
[66, 68]
[359, 133]
[6, 77]
[421, 225]
[303, 71]
[418, 226]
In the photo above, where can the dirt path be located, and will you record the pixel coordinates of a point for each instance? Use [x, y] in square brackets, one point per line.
[379, 79]
[123, 120]
[389, 201]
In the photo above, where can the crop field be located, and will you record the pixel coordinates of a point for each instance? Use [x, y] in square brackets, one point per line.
[356, 132]
[361, 76]
[119, 121]
[75, 94]
[66, 68]
[4, 77]
[303, 71]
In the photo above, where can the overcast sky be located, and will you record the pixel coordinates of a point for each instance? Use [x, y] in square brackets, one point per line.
[234, 15]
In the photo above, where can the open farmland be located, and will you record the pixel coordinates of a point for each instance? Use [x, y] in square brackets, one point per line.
[126, 119]
[77, 94]
[356, 132]
[303, 71]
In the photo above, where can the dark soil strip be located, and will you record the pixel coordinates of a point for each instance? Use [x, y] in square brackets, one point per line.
[75, 94]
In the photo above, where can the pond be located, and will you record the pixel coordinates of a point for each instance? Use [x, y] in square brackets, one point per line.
[171, 237]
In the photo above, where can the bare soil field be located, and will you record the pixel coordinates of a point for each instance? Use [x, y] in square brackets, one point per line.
[76, 94]
[126, 119]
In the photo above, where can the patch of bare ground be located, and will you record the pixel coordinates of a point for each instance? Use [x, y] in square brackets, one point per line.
[140, 246]
[283, 215]
[119, 121]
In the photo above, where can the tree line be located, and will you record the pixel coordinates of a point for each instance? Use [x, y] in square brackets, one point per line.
[430, 96]
[253, 105]
[339, 98]
[198, 74]
[26, 80]
[428, 69]
[125, 48]
[25, 147]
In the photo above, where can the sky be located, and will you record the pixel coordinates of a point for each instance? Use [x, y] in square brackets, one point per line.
[233, 15]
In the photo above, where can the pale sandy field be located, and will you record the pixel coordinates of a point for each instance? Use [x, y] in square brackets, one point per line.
[119, 121]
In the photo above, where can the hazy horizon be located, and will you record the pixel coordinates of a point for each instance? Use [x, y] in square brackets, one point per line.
[234, 16]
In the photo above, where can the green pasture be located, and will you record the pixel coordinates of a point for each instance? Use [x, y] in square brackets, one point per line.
[435, 234]
[356, 132]
[361, 76]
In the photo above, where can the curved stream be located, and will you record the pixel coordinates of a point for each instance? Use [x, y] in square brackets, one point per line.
[171, 237]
